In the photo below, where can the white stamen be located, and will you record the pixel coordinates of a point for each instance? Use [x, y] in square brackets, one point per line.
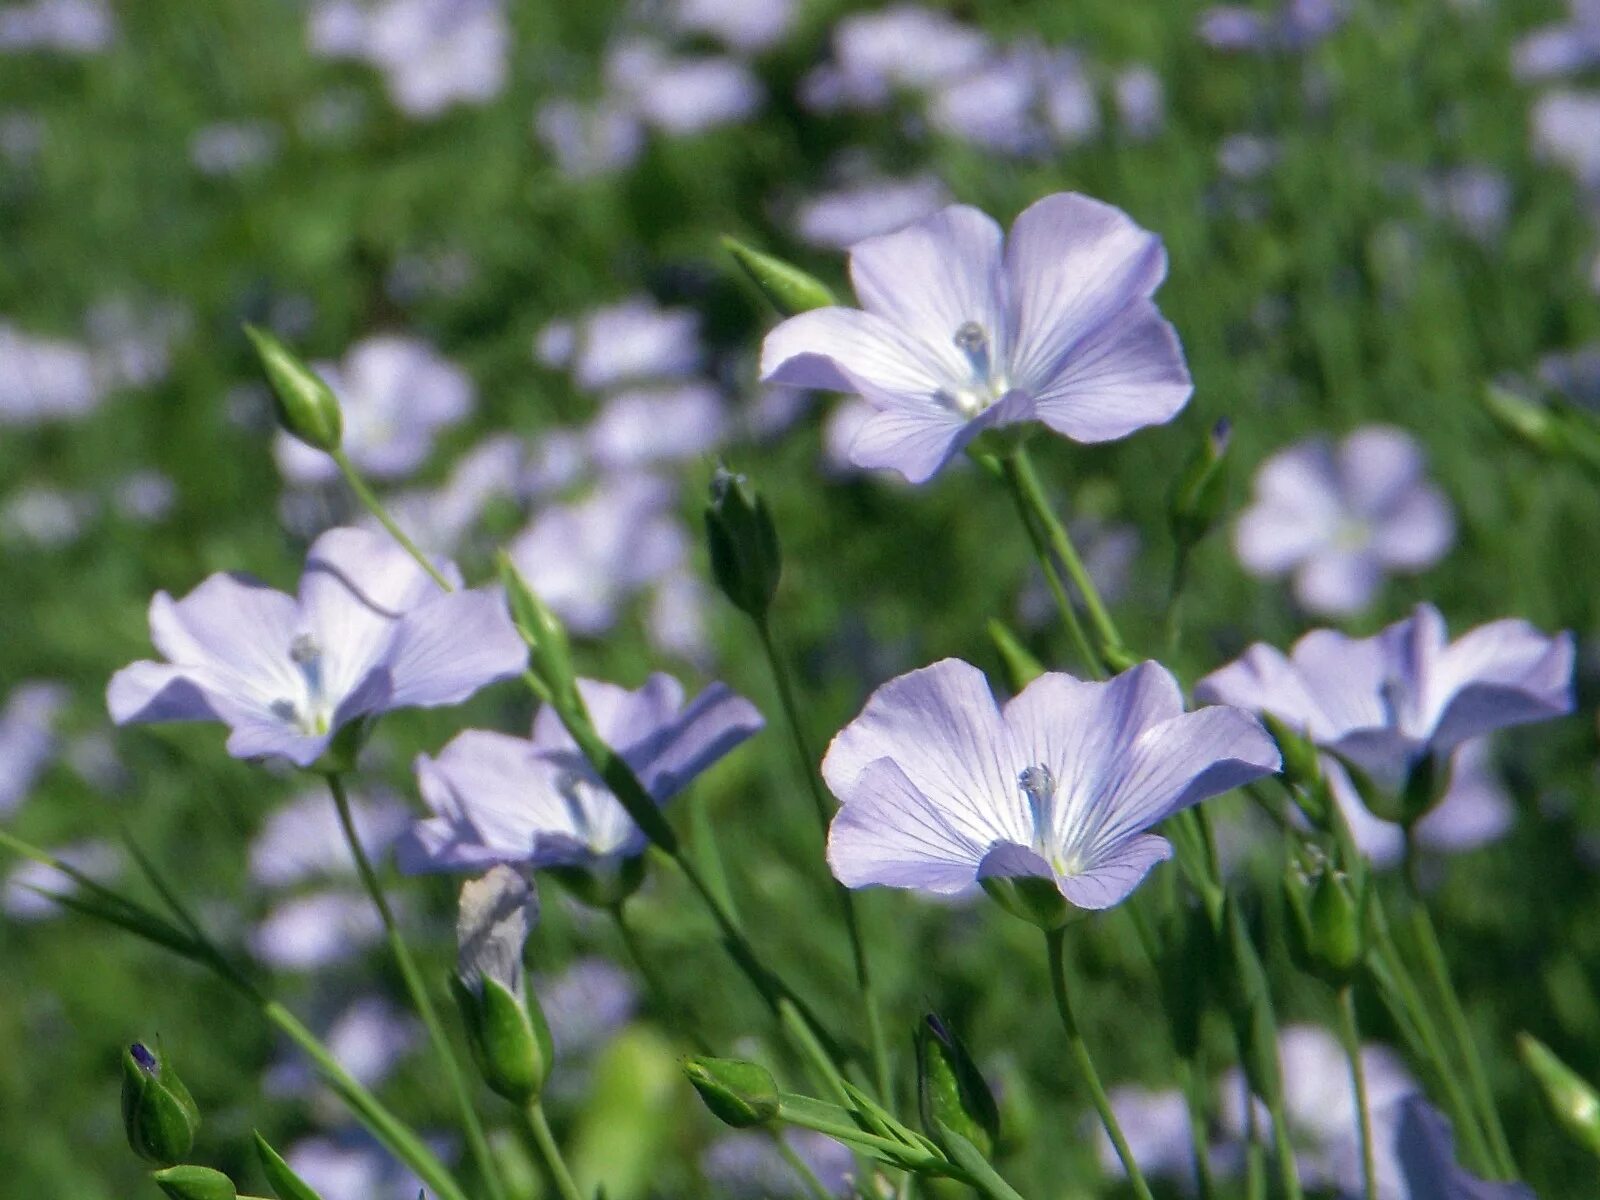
[1039, 788]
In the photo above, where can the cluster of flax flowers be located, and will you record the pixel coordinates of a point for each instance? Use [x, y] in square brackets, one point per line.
[966, 340]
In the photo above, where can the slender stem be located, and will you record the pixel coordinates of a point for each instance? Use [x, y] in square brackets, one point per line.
[1174, 617]
[1055, 944]
[653, 984]
[1283, 1149]
[384, 1125]
[1350, 1035]
[546, 1141]
[816, 1054]
[1192, 1078]
[373, 505]
[1255, 1167]
[1041, 551]
[1061, 543]
[1455, 1020]
[824, 810]
[419, 994]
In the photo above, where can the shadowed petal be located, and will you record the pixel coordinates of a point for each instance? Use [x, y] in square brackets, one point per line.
[148, 692]
[1502, 674]
[714, 723]
[845, 350]
[252, 737]
[918, 440]
[891, 835]
[1425, 1148]
[237, 630]
[1111, 878]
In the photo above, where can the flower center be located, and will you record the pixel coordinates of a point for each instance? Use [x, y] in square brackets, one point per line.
[1038, 786]
[1351, 534]
[984, 383]
[313, 714]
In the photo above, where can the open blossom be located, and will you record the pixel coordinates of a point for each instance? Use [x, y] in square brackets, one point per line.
[943, 787]
[964, 331]
[1386, 703]
[395, 394]
[368, 632]
[1339, 518]
[1564, 49]
[501, 799]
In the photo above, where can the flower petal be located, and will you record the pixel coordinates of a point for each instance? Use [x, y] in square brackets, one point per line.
[941, 727]
[148, 692]
[918, 440]
[237, 631]
[450, 646]
[714, 723]
[1338, 582]
[1378, 465]
[1417, 530]
[1126, 375]
[1109, 880]
[1295, 512]
[1501, 674]
[891, 835]
[845, 350]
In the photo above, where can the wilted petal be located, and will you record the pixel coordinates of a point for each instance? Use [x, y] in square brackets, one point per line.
[891, 835]
[494, 918]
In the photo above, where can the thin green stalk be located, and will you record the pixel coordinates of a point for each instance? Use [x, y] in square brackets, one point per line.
[546, 1141]
[652, 981]
[1041, 550]
[419, 995]
[1255, 1165]
[1192, 1080]
[1055, 945]
[1283, 1150]
[373, 505]
[1174, 614]
[1350, 1035]
[1061, 543]
[847, 905]
[816, 1054]
[1455, 1019]
[384, 1125]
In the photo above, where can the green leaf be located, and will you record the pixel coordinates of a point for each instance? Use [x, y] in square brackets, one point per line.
[285, 1184]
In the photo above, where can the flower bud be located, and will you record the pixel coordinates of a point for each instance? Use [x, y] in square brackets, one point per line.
[506, 1029]
[307, 407]
[1302, 768]
[745, 559]
[1327, 922]
[195, 1183]
[1201, 492]
[158, 1113]
[285, 1184]
[951, 1092]
[789, 289]
[1573, 1100]
[544, 633]
[738, 1093]
[1523, 418]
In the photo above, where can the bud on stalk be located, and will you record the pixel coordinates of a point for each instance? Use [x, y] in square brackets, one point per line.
[307, 407]
[951, 1092]
[158, 1113]
[1202, 488]
[738, 1093]
[195, 1183]
[789, 289]
[1573, 1100]
[745, 558]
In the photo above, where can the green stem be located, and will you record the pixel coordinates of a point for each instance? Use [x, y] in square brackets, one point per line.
[847, 905]
[1255, 1167]
[1055, 945]
[1192, 1078]
[373, 505]
[1455, 1019]
[419, 995]
[1061, 543]
[1174, 616]
[384, 1125]
[551, 1152]
[1283, 1149]
[1350, 1035]
[1041, 551]
[653, 984]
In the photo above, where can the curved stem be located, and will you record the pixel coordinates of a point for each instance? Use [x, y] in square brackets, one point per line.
[551, 1152]
[847, 905]
[419, 995]
[1350, 1035]
[1055, 945]
[369, 500]
[1041, 551]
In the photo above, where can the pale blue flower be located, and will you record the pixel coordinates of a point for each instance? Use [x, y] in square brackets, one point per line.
[1425, 1147]
[943, 787]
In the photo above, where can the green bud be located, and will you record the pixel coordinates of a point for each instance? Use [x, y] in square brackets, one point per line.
[1022, 668]
[1250, 1008]
[158, 1113]
[307, 407]
[1302, 768]
[1031, 899]
[1327, 922]
[509, 1039]
[951, 1092]
[1573, 1100]
[1201, 492]
[1522, 418]
[544, 633]
[285, 1184]
[738, 1093]
[195, 1183]
[789, 289]
[745, 558]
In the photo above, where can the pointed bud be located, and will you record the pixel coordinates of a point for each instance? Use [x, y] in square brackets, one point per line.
[307, 407]
[789, 289]
[951, 1091]
[158, 1113]
[1327, 922]
[545, 635]
[1201, 492]
[745, 559]
[1573, 1100]
[285, 1184]
[506, 1029]
[1022, 668]
[1523, 418]
[1302, 766]
[738, 1093]
[195, 1183]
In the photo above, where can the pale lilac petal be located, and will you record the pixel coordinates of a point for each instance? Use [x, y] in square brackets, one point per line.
[1008, 860]
[844, 350]
[450, 646]
[1383, 843]
[1113, 876]
[891, 835]
[236, 628]
[1128, 374]
[1295, 512]
[1501, 674]
[1075, 265]
[1475, 809]
[934, 276]
[1416, 532]
[941, 727]
[714, 723]
[1377, 465]
[918, 441]
[1424, 1145]
[148, 692]
[272, 737]
[1262, 680]
[1346, 676]
[1338, 582]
